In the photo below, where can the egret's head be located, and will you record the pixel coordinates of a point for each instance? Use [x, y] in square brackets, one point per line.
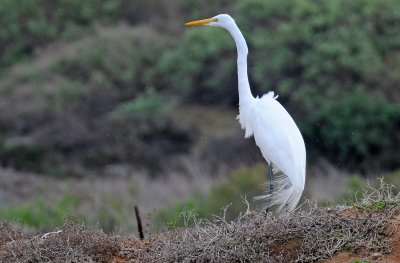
[222, 20]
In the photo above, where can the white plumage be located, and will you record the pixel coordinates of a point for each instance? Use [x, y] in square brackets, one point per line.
[281, 143]
[274, 130]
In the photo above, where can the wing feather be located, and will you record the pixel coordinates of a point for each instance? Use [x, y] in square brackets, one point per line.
[281, 143]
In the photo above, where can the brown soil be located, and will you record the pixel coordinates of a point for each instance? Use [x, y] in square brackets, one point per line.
[392, 257]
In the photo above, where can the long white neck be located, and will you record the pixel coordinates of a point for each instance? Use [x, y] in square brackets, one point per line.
[245, 96]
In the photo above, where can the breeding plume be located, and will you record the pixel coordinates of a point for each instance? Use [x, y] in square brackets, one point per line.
[274, 130]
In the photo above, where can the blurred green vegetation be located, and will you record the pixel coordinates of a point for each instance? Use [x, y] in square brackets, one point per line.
[27, 25]
[92, 104]
[118, 61]
[359, 131]
[229, 194]
[39, 214]
[393, 178]
[352, 192]
[23, 157]
[357, 185]
[249, 182]
[334, 65]
[77, 77]
[110, 211]
[149, 103]
[202, 67]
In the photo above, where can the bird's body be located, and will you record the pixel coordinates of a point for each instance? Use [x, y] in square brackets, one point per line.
[281, 144]
[274, 130]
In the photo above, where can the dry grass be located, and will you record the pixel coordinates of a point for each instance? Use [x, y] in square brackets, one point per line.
[309, 234]
[72, 243]
[306, 235]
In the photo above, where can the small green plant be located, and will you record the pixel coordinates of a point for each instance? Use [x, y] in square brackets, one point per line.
[379, 205]
[361, 261]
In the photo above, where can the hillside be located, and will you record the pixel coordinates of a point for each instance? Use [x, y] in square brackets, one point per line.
[99, 84]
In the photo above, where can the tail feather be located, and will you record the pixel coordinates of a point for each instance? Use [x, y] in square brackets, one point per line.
[285, 194]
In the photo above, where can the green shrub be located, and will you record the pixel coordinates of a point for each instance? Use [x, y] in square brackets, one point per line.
[67, 92]
[148, 104]
[170, 14]
[242, 183]
[115, 64]
[117, 61]
[75, 96]
[202, 67]
[21, 157]
[37, 213]
[321, 57]
[27, 25]
[358, 131]
[312, 52]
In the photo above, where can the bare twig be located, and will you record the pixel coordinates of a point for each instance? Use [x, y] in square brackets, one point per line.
[139, 223]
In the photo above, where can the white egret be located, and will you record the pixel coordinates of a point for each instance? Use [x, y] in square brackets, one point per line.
[274, 130]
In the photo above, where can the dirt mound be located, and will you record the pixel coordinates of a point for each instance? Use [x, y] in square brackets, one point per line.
[391, 257]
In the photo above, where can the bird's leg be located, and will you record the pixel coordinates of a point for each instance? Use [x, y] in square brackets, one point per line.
[270, 174]
[271, 187]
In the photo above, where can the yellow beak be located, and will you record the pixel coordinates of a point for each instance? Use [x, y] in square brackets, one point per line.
[201, 22]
